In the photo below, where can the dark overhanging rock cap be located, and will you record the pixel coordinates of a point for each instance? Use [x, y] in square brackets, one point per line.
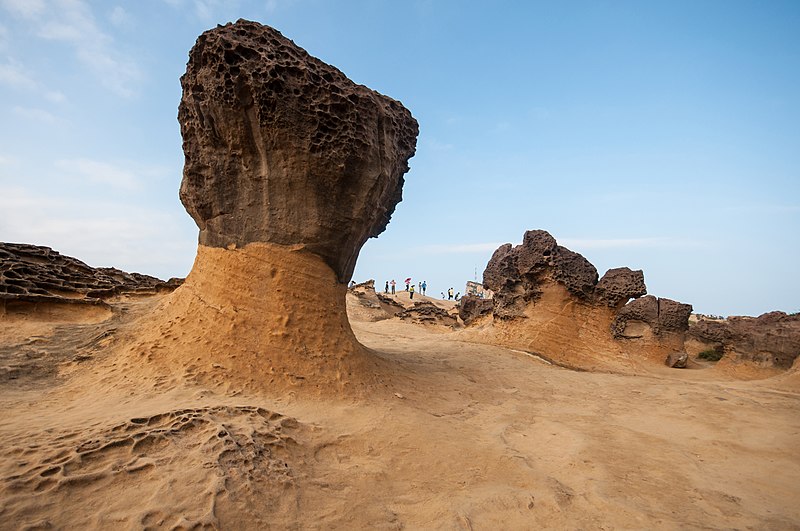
[283, 148]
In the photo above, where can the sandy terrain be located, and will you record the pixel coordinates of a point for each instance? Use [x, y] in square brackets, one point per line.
[451, 434]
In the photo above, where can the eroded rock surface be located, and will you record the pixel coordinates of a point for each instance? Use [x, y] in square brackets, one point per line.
[515, 274]
[770, 340]
[660, 316]
[548, 301]
[471, 308]
[425, 312]
[282, 148]
[620, 285]
[33, 273]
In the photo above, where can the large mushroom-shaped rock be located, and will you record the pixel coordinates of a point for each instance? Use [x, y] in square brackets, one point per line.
[290, 167]
[283, 148]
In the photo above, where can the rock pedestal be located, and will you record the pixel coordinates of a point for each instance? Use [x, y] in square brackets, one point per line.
[290, 167]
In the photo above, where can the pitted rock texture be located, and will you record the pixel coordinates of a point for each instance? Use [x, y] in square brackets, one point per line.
[620, 285]
[662, 316]
[471, 308]
[425, 312]
[34, 273]
[515, 274]
[283, 148]
[770, 340]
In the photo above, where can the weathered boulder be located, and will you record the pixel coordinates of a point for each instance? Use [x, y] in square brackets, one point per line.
[677, 360]
[620, 285]
[282, 148]
[771, 340]
[471, 308]
[660, 316]
[516, 274]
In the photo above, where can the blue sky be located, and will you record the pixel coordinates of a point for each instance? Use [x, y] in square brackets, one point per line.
[661, 136]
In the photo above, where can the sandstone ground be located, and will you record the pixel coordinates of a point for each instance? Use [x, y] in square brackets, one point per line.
[458, 435]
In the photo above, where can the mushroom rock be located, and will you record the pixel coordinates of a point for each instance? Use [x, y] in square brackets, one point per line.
[548, 300]
[289, 168]
[282, 148]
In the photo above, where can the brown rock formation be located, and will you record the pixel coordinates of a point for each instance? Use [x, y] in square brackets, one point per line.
[471, 308]
[620, 285]
[290, 167]
[548, 301]
[425, 312]
[516, 274]
[33, 276]
[282, 148]
[771, 340]
[651, 315]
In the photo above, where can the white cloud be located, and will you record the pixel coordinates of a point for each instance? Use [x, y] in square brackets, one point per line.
[31, 113]
[12, 74]
[3, 37]
[72, 22]
[25, 8]
[55, 96]
[619, 243]
[100, 233]
[570, 243]
[99, 172]
[458, 248]
[119, 17]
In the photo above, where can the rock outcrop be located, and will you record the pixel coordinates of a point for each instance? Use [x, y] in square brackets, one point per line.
[651, 315]
[282, 148]
[548, 300]
[33, 274]
[771, 340]
[471, 308]
[289, 168]
[425, 312]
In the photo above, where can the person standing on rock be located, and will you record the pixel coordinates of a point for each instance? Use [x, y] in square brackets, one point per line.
[393, 284]
[386, 289]
[424, 285]
[411, 292]
[408, 282]
[450, 294]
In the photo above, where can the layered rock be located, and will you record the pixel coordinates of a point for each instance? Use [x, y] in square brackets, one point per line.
[771, 340]
[36, 275]
[548, 300]
[289, 168]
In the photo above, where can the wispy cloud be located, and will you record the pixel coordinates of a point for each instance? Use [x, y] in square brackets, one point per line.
[72, 22]
[3, 37]
[107, 234]
[570, 243]
[623, 243]
[457, 248]
[96, 171]
[14, 75]
[32, 113]
[119, 17]
[24, 8]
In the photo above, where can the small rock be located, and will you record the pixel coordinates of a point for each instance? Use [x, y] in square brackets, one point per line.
[677, 360]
